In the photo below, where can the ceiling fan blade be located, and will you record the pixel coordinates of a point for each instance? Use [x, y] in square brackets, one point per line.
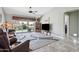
[33, 13]
[36, 11]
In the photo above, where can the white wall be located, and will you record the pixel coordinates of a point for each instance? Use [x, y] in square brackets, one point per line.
[57, 19]
[0, 10]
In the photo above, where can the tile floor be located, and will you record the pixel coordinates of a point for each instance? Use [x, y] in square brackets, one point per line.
[66, 45]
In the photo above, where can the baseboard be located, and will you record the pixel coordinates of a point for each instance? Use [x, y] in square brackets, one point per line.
[58, 37]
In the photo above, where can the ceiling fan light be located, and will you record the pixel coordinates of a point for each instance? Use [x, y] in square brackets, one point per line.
[30, 11]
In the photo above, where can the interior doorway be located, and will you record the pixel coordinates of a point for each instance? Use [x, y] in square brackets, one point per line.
[71, 25]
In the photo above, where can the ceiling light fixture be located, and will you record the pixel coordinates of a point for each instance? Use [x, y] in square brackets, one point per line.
[31, 11]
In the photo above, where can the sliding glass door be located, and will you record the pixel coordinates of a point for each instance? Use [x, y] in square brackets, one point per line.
[24, 26]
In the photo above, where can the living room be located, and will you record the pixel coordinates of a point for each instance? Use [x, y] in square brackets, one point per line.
[37, 29]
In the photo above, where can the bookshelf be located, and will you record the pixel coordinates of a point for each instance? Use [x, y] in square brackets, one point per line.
[37, 26]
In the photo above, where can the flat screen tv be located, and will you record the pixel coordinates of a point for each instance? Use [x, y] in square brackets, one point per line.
[46, 27]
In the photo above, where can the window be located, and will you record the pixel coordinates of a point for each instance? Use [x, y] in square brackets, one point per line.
[24, 26]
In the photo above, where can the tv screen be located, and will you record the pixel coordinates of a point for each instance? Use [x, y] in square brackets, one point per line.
[46, 27]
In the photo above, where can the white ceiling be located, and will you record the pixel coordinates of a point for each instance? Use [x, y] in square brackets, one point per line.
[24, 11]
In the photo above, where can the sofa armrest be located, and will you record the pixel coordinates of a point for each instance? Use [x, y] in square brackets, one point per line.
[24, 47]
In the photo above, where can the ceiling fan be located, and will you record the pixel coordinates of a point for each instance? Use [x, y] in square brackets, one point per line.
[32, 11]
